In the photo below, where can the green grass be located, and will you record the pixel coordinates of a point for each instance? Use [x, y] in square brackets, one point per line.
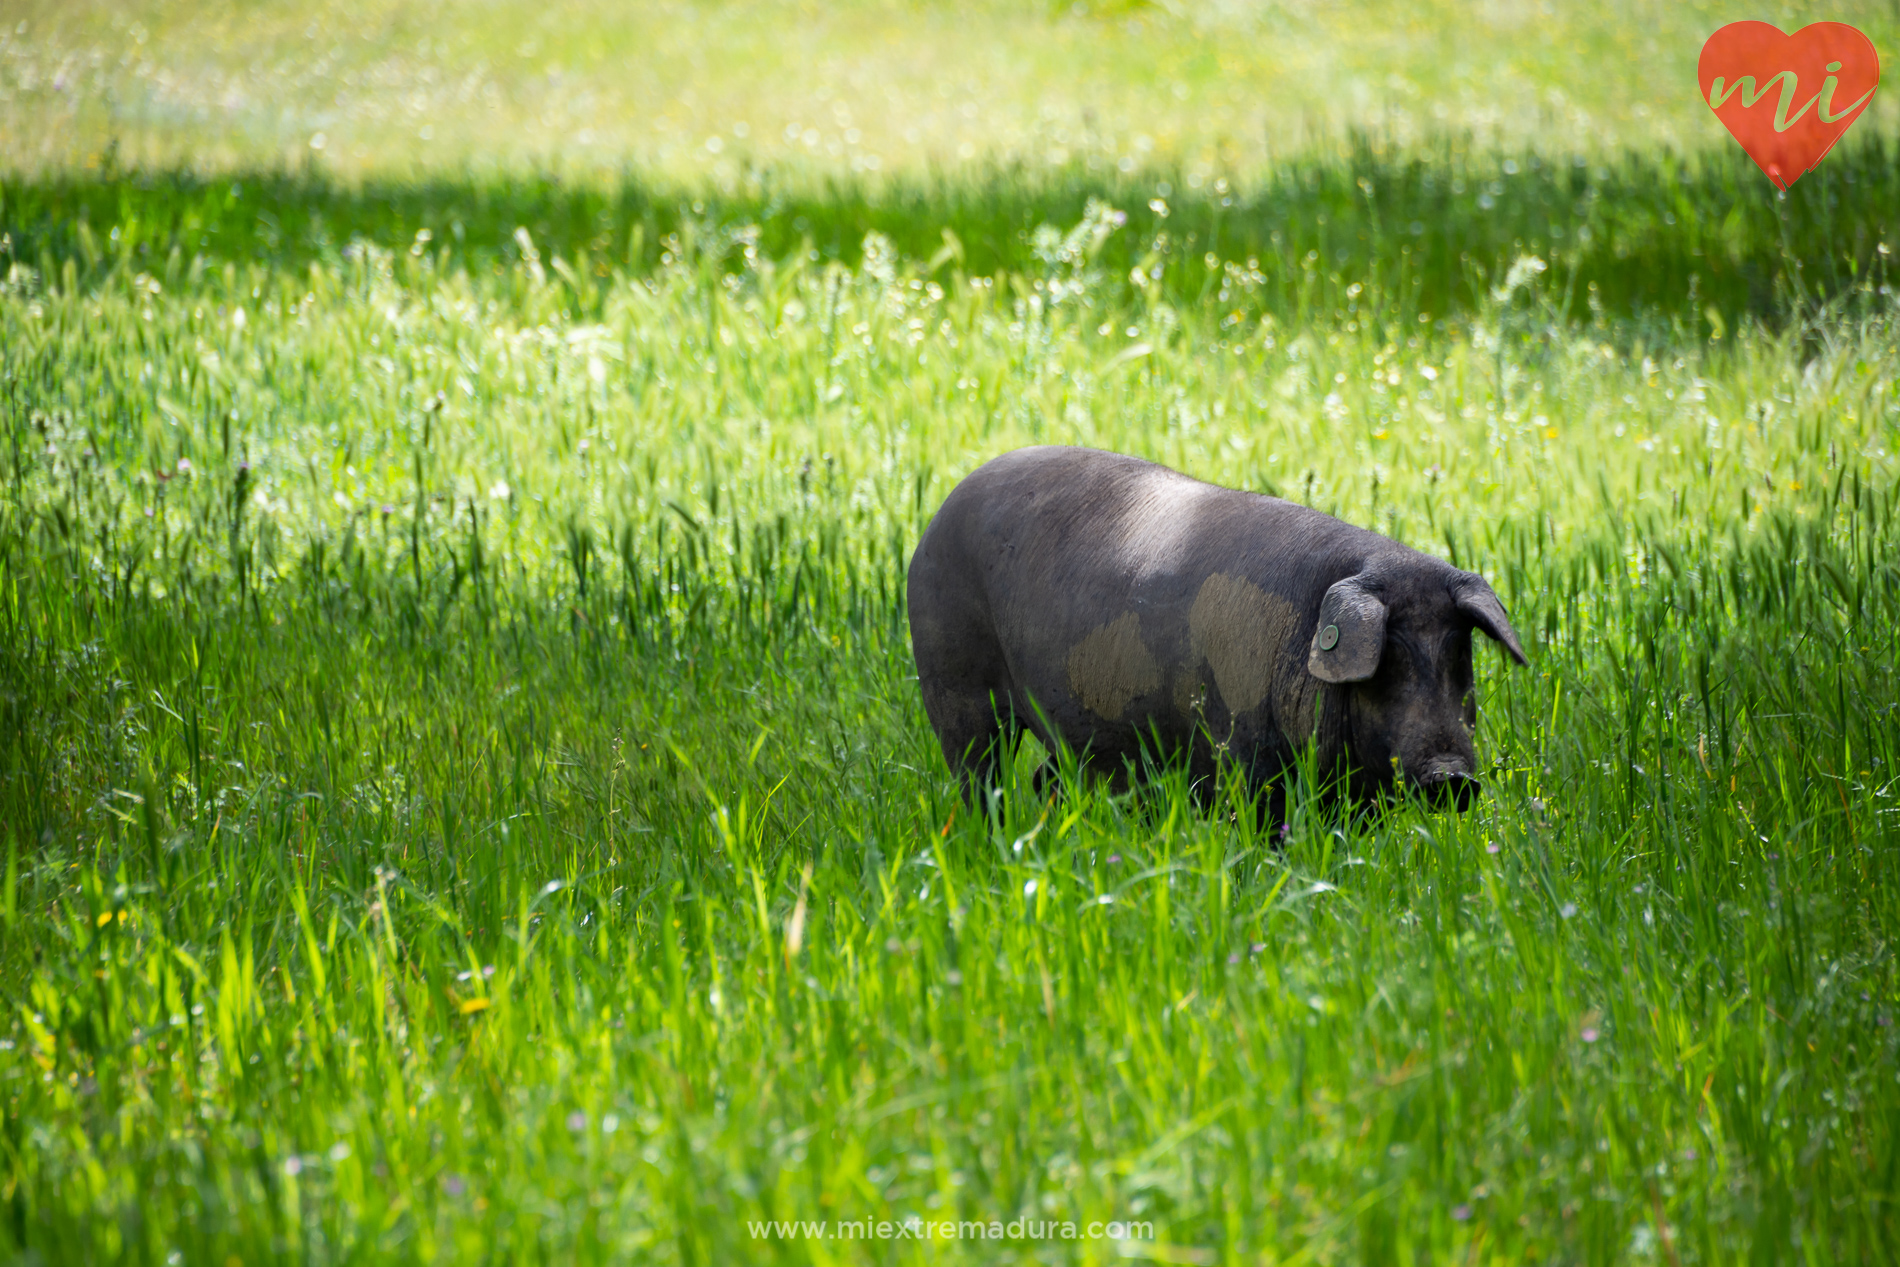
[1678, 248]
[711, 93]
[463, 795]
[522, 615]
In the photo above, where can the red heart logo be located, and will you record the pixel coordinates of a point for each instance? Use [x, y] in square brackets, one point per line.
[1788, 98]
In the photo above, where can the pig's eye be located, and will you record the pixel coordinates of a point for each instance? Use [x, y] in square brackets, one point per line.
[1417, 658]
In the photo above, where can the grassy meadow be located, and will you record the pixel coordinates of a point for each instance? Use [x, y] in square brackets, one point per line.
[463, 790]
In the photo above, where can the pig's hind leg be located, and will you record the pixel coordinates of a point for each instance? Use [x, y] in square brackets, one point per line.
[977, 730]
[966, 688]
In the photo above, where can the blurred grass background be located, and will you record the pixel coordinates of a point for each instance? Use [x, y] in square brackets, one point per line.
[716, 95]
[462, 791]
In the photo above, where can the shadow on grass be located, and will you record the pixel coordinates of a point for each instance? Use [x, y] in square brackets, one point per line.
[1679, 245]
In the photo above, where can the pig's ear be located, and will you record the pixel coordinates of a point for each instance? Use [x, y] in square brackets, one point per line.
[1477, 600]
[1350, 635]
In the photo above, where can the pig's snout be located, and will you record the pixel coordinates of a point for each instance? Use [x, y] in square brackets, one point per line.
[1449, 783]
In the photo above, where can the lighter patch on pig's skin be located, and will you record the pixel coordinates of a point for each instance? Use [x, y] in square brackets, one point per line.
[1158, 524]
[1240, 629]
[1112, 666]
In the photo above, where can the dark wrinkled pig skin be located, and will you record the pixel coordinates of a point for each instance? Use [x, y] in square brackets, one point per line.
[1108, 604]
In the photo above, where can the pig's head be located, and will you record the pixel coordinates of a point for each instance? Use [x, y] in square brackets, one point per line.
[1398, 638]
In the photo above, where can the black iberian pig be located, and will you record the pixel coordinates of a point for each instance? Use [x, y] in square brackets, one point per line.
[1106, 603]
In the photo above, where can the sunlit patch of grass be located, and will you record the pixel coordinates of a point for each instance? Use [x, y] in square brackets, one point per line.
[709, 94]
[464, 795]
